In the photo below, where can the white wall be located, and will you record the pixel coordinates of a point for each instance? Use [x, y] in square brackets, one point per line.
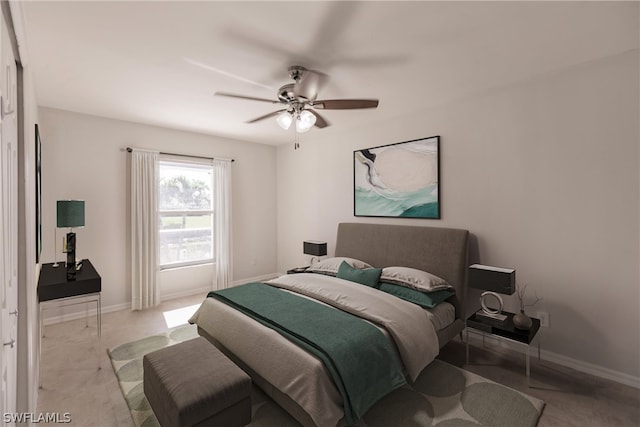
[543, 173]
[83, 158]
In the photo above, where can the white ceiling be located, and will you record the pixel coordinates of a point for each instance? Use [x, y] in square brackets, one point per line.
[161, 62]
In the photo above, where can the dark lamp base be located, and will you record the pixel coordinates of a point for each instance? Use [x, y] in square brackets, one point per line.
[71, 256]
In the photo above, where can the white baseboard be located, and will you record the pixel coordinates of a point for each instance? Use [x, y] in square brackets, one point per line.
[82, 313]
[578, 365]
[175, 295]
[590, 368]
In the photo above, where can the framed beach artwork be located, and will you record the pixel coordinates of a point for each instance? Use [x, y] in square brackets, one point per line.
[399, 180]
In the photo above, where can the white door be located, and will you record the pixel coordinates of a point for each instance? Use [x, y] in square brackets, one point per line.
[8, 229]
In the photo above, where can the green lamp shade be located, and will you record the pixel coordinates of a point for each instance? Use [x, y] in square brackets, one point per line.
[70, 213]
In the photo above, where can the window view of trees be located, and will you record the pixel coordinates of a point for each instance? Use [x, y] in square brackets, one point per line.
[185, 214]
[180, 193]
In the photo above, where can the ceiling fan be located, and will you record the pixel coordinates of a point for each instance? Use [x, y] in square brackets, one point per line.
[299, 100]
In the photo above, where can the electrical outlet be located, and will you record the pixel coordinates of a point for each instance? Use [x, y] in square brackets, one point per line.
[544, 318]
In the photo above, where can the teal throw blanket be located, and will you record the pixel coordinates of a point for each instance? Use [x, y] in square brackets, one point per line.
[358, 356]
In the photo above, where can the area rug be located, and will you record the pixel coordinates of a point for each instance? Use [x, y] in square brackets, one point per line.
[442, 396]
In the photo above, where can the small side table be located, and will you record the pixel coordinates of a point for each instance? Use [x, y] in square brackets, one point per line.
[504, 331]
[54, 286]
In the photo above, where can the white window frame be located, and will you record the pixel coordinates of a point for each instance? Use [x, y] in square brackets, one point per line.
[171, 161]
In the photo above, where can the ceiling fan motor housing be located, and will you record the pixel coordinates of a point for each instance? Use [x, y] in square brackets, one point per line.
[296, 71]
[286, 93]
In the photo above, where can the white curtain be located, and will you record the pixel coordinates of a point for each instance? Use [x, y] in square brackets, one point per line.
[222, 226]
[144, 230]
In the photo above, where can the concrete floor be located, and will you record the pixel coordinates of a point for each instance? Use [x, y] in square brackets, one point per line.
[77, 377]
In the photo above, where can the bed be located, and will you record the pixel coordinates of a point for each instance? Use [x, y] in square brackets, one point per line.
[297, 380]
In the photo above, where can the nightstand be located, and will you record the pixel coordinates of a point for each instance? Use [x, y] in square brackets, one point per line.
[504, 331]
[53, 286]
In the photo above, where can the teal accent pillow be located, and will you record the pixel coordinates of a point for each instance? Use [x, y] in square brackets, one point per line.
[423, 299]
[365, 276]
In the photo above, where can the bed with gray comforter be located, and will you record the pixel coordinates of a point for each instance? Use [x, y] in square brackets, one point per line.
[299, 378]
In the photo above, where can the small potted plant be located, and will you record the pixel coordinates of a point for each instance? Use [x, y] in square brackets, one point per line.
[521, 320]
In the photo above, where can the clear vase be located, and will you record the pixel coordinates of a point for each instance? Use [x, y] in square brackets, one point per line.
[522, 321]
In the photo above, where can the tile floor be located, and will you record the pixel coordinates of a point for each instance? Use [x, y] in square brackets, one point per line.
[77, 377]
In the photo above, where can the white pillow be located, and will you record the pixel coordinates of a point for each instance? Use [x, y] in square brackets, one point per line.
[330, 266]
[413, 278]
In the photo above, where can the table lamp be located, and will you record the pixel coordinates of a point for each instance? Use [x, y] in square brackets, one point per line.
[494, 281]
[70, 213]
[312, 247]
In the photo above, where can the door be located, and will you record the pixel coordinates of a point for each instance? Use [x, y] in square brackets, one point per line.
[8, 228]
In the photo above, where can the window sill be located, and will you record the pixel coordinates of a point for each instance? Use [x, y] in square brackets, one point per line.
[186, 265]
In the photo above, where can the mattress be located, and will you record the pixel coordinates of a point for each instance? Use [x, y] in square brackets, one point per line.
[442, 315]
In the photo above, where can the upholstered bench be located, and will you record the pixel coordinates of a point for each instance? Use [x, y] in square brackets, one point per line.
[193, 384]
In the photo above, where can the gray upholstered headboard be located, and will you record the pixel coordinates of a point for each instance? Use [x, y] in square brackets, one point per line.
[440, 251]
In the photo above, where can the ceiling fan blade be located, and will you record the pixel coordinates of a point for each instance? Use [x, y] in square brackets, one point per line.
[320, 121]
[345, 104]
[266, 116]
[225, 73]
[250, 98]
[309, 85]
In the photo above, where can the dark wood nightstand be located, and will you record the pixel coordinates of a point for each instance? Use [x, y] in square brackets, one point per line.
[505, 331]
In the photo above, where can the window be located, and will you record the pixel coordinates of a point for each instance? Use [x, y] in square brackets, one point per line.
[185, 214]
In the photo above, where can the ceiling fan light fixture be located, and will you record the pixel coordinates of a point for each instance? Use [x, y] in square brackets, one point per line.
[305, 121]
[284, 120]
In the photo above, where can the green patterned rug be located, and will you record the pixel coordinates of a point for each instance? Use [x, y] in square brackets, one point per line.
[442, 396]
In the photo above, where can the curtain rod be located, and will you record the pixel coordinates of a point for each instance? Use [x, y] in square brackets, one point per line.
[129, 149]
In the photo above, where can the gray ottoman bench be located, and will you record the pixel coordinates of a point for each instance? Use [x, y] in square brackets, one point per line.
[193, 384]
